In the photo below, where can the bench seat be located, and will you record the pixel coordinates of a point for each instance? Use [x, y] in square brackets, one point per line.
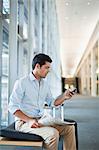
[15, 142]
[10, 136]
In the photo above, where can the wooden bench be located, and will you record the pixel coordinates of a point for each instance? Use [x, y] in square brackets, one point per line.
[12, 137]
[14, 142]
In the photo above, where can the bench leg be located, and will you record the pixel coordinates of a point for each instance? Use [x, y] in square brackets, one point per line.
[76, 135]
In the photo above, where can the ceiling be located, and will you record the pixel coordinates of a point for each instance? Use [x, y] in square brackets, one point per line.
[77, 20]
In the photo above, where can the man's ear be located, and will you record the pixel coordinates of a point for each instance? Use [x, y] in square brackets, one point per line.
[38, 66]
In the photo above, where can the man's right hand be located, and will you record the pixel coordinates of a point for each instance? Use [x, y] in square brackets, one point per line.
[33, 123]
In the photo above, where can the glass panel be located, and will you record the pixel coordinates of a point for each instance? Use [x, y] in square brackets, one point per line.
[4, 80]
[5, 6]
[5, 37]
[25, 62]
[4, 102]
[5, 59]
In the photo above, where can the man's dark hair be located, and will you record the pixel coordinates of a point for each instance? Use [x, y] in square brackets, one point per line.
[40, 59]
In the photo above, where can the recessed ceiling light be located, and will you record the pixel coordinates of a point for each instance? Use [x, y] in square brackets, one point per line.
[88, 3]
[66, 18]
[67, 4]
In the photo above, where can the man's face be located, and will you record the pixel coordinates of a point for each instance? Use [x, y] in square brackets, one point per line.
[44, 69]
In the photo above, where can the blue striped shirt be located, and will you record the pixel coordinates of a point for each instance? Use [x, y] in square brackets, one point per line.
[29, 96]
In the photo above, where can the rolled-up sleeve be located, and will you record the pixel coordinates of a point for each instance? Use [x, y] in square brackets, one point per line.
[16, 97]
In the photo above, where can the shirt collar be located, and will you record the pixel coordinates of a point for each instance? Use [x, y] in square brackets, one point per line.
[32, 77]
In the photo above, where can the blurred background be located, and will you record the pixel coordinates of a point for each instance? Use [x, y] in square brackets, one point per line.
[66, 30]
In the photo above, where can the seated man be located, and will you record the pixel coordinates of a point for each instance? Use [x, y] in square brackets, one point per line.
[27, 101]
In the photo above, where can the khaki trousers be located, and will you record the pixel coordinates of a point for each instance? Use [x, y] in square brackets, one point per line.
[51, 134]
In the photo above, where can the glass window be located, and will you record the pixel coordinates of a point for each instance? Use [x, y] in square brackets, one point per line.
[25, 61]
[4, 102]
[5, 60]
[4, 80]
[5, 6]
[5, 37]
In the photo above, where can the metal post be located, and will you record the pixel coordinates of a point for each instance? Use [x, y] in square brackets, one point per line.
[54, 112]
[62, 112]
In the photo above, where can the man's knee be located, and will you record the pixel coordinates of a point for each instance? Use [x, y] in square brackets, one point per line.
[51, 142]
[53, 134]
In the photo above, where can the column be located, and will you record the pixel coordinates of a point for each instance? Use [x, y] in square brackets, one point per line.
[98, 66]
[48, 27]
[40, 25]
[21, 40]
[83, 80]
[1, 47]
[13, 67]
[98, 53]
[93, 74]
[45, 26]
[31, 36]
[88, 77]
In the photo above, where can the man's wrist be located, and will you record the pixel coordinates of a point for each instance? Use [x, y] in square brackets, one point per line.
[65, 97]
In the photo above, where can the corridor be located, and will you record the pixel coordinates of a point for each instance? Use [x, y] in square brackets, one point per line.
[68, 32]
[85, 111]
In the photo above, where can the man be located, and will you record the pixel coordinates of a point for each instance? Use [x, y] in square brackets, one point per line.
[27, 101]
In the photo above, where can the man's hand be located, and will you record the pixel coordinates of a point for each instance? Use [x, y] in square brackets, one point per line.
[33, 123]
[65, 96]
[68, 94]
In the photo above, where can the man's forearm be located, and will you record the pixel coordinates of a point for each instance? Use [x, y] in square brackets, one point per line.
[33, 123]
[60, 99]
[22, 116]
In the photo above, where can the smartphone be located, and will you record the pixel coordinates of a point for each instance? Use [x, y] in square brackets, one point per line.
[74, 91]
